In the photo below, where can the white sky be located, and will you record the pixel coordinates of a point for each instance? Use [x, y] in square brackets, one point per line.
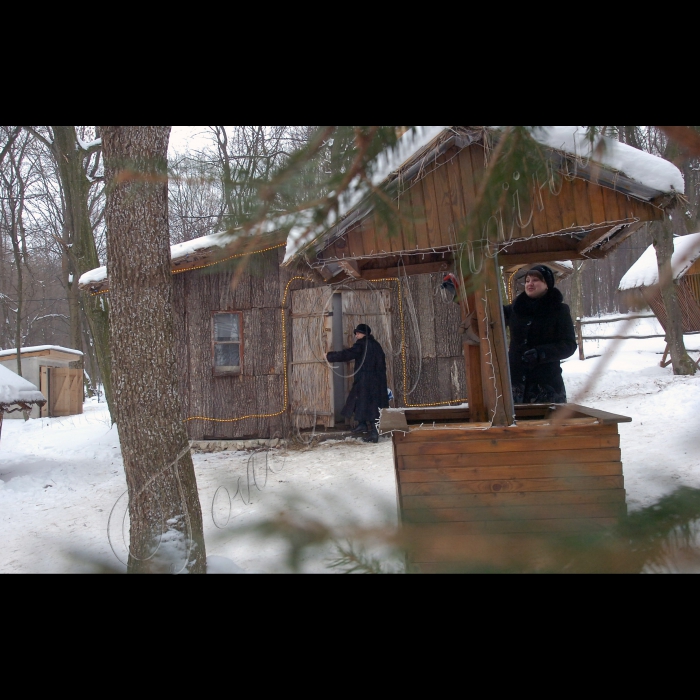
[184, 138]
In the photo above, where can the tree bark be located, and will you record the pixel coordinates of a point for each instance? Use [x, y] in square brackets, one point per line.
[166, 518]
[663, 242]
[80, 251]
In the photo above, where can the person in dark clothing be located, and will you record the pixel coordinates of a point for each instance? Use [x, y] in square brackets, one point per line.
[541, 335]
[369, 392]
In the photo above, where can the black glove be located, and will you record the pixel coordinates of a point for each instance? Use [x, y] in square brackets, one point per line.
[531, 358]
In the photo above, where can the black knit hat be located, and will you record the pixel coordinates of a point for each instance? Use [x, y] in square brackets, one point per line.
[362, 328]
[544, 272]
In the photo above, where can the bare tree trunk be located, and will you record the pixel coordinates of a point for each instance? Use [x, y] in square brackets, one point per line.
[663, 242]
[20, 294]
[80, 250]
[164, 507]
[576, 299]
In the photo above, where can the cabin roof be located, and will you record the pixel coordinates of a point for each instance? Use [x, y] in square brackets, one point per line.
[51, 351]
[645, 272]
[15, 389]
[197, 254]
[621, 167]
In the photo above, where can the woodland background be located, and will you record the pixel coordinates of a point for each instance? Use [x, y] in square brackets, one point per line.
[52, 217]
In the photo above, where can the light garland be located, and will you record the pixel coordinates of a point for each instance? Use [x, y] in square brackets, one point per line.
[404, 362]
[284, 369]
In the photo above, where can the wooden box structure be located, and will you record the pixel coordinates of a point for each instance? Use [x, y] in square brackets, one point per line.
[465, 489]
[53, 370]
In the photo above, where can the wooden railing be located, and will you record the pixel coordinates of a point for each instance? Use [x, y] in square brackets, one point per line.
[579, 331]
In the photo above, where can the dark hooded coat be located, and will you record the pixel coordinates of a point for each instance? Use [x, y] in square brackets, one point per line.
[369, 392]
[545, 325]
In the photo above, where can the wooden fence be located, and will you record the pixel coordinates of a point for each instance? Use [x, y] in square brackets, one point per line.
[580, 323]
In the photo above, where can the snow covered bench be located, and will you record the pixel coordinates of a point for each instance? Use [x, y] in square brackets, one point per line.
[17, 394]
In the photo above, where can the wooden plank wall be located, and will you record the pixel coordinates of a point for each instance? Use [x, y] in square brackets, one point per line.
[456, 485]
[437, 361]
[257, 291]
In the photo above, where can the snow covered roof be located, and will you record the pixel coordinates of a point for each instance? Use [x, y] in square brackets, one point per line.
[656, 175]
[14, 389]
[644, 168]
[39, 348]
[645, 272]
[199, 252]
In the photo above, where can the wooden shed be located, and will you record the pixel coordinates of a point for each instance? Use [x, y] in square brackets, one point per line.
[599, 202]
[232, 328]
[57, 372]
[642, 279]
[17, 395]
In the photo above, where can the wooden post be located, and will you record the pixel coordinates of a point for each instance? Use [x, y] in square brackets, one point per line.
[498, 389]
[579, 333]
[472, 358]
[45, 411]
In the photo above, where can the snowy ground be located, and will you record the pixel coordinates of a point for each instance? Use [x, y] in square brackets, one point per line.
[61, 478]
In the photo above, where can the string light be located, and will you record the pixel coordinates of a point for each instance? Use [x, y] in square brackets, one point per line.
[284, 369]
[404, 361]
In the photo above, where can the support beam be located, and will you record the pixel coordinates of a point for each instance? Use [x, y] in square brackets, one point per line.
[472, 358]
[596, 237]
[544, 257]
[498, 390]
[351, 268]
[419, 269]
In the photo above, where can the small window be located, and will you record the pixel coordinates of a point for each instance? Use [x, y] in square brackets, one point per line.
[227, 343]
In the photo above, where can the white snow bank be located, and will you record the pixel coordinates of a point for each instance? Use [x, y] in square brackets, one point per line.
[645, 272]
[222, 565]
[649, 170]
[40, 348]
[15, 389]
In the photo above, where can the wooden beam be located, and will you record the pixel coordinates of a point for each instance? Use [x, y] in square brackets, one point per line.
[534, 258]
[351, 268]
[621, 237]
[495, 371]
[472, 359]
[419, 269]
[596, 237]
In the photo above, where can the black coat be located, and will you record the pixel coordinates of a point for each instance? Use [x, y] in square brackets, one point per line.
[369, 392]
[544, 325]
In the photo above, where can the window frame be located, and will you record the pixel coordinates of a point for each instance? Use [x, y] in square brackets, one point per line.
[216, 371]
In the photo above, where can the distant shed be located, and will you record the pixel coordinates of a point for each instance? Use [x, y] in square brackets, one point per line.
[643, 278]
[57, 372]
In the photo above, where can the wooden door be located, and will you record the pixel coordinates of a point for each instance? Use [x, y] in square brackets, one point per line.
[65, 391]
[311, 382]
[373, 308]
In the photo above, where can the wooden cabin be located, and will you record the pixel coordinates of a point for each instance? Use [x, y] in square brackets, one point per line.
[642, 281]
[457, 454]
[232, 333]
[57, 372]
[17, 395]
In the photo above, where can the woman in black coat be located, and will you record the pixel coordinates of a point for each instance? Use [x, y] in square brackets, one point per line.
[541, 335]
[369, 392]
